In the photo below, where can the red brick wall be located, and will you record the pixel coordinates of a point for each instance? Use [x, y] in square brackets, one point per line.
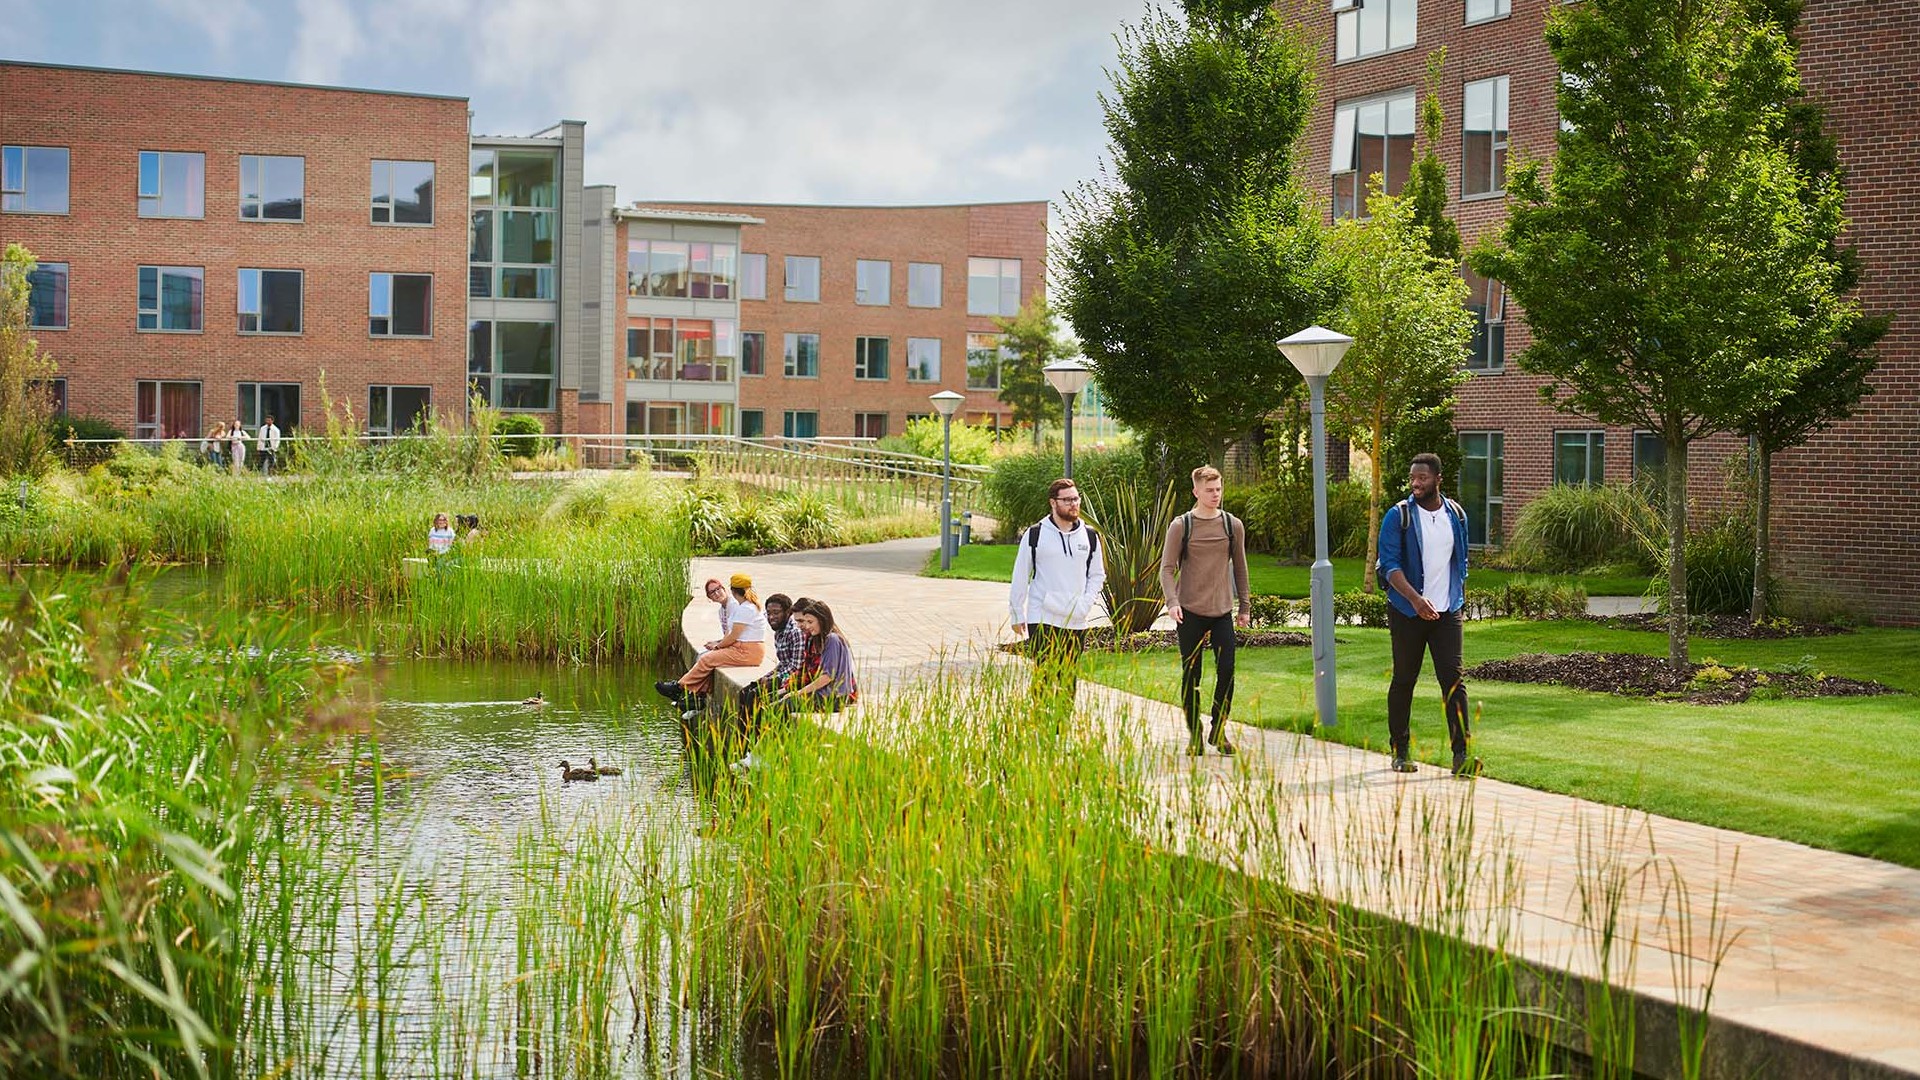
[840, 236]
[1843, 502]
[106, 119]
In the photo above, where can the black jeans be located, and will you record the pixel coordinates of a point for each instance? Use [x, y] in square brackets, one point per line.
[1193, 631]
[1055, 651]
[1413, 638]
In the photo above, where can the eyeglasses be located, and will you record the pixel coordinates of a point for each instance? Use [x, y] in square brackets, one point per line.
[1066, 498]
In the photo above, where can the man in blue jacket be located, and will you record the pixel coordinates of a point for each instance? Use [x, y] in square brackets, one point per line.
[1423, 563]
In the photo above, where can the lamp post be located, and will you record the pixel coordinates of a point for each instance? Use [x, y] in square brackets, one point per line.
[1069, 378]
[1316, 351]
[946, 402]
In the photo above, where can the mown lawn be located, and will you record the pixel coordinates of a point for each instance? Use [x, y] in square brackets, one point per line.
[1837, 773]
[994, 562]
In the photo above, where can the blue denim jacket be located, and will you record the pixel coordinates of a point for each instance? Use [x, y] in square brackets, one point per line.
[1408, 561]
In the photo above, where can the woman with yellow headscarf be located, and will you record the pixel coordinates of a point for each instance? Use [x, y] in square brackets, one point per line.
[744, 643]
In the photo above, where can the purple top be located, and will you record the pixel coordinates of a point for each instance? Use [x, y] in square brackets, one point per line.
[836, 662]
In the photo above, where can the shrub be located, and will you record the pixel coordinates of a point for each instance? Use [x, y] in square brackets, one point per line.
[83, 427]
[971, 445]
[1573, 527]
[710, 516]
[1015, 492]
[736, 548]
[525, 432]
[808, 520]
[1279, 517]
[759, 525]
[1132, 531]
[1720, 567]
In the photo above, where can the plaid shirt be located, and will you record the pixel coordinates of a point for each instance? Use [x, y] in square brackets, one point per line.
[790, 646]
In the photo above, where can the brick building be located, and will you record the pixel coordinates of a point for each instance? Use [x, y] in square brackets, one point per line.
[1844, 501]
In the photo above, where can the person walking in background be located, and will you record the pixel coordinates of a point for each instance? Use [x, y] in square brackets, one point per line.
[237, 440]
[1058, 574]
[1203, 568]
[743, 644]
[268, 445]
[1423, 564]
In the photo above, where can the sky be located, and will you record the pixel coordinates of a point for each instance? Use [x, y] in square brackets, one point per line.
[828, 101]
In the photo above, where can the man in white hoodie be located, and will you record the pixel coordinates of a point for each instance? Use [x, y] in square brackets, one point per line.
[1058, 573]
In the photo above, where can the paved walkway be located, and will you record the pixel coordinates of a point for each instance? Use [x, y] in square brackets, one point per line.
[1822, 951]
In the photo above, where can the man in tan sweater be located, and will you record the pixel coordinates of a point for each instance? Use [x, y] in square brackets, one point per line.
[1203, 569]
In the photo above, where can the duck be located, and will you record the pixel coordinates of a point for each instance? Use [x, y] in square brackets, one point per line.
[536, 700]
[604, 770]
[568, 772]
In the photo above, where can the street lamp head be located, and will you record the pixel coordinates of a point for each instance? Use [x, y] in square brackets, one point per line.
[1068, 377]
[946, 402]
[1316, 351]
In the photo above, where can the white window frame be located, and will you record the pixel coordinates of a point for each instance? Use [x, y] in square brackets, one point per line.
[260, 292]
[875, 294]
[786, 279]
[1343, 154]
[373, 287]
[937, 283]
[1402, 29]
[13, 183]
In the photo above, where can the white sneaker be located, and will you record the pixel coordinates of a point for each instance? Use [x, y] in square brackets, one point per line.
[689, 715]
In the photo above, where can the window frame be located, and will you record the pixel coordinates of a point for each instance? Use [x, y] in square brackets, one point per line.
[999, 360]
[759, 423]
[21, 190]
[426, 412]
[488, 381]
[160, 291]
[1489, 327]
[160, 185]
[862, 294]
[197, 429]
[923, 341]
[1354, 175]
[1501, 9]
[1640, 466]
[1491, 514]
[787, 423]
[790, 355]
[786, 279]
[1347, 16]
[760, 259]
[863, 358]
[391, 317]
[939, 275]
[1595, 455]
[1000, 293]
[260, 296]
[1499, 138]
[65, 296]
[863, 425]
[759, 336]
[240, 389]
[56, 385]
[261, 201]
[374, 204]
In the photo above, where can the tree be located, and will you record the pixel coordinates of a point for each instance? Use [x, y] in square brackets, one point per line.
[1195, 252]
[26, 442]
[1675, 270]
[1406, 313]
[1029, 342]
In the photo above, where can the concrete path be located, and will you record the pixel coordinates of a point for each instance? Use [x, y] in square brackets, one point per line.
[1821, 970]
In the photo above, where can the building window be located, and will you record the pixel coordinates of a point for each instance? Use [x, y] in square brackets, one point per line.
[753, 353]
[1373, 136]
[1375, 26]
[166, 410]
[679, 269]
[280, 400]
[683, 350]
[1482, 482]
[870, 425]
[47, 296]
[803, 356]
[1487, 299]
[1483, 142]
[753, 276]
[923, 285]
[403, 192]
[993, 287]
[270, 301]
[803, 279]
[983, 361]
[1484, 10]
[511, 224]
[753, 424]
[272, 188]
[400, 305]
[872, 282]
[171, 297]
[1579, 457]
[56, 391]
[923, 359]
[679, 418]
[173, 185]
[394, 410]
[33, 179]
[510, 364]
[870, 357]
[1649, 455]
[800, 425]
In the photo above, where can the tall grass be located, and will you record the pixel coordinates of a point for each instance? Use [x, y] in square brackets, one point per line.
[1580, 526]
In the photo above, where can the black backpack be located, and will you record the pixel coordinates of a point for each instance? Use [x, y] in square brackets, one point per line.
[1452, 508]
[1186, 531]
[1033, 548]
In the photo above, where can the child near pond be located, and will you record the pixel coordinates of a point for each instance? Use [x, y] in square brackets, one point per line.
[440, 538]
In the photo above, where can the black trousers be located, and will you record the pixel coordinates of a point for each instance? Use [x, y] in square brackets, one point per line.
[1056, 660]
[1193, 631]
[1413, 638]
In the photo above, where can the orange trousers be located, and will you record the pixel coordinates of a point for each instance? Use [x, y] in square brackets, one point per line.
[699, 678]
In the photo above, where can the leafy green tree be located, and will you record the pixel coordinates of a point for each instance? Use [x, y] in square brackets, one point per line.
[1187, 260]
[1406, 313]
[1676, 268]
[1032, 340]
[26, 441]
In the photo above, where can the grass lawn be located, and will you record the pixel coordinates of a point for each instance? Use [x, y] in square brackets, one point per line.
[994, 562]
[1835, 773]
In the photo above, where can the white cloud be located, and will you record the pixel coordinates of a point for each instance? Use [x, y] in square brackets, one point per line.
[219, 21]
[326, 39]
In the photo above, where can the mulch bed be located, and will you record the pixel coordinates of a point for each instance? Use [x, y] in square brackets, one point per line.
[1737, 627]
[1634, 675]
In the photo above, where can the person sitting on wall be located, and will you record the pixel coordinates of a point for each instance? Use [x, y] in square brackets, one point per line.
[789, 648]
[825, 682]
[743, 644]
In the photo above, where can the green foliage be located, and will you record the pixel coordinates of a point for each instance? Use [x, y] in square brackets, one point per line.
[1015, 492]
[1133, 522]
[1720, 566]
[1178, 268]
[526, 435]
[1279, 516]
[82, 427]
[1426, 191]
[1032, 340]
[808, 520]
[26, 445]
[736, 548]
[1574, 527]
[710, 516]
[972, 444]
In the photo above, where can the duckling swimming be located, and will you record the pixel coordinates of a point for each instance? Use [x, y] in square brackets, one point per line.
[568, 772]
[604, 770]
[538, 699]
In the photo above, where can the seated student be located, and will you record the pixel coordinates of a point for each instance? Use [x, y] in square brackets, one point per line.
[440, 537]
[789, 648]
[471, 523]
[743, 644]
[825, 681]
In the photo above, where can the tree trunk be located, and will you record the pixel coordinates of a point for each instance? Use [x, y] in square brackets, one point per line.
[1762, 507]
[1677, 552]
[1373, 510]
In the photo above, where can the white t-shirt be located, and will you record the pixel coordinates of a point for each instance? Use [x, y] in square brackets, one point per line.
[751, 620]
[1436, 556]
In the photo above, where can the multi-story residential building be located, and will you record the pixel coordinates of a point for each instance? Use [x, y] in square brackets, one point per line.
[850, 317]
[1843, 502]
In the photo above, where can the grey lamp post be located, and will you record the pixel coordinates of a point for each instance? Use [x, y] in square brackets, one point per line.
[1316, 351]
[1069, 378]
[947, 403]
